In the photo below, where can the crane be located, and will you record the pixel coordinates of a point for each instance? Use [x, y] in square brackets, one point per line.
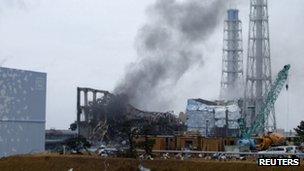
[261, 119]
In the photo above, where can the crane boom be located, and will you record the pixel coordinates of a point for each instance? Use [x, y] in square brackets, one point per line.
[268, 105]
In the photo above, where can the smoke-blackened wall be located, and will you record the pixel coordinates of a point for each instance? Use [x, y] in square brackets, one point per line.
[168, 45]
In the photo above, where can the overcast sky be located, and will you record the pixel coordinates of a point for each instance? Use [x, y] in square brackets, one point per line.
[90, 43]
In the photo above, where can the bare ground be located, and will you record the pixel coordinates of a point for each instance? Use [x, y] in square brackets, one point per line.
[94, 163]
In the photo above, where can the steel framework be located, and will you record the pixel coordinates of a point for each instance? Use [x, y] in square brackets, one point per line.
[232, 64]
[258, 73]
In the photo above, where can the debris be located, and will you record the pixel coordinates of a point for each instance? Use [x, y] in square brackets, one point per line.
[142, 168]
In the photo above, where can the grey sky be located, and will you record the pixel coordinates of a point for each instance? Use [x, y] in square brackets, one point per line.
[90, 42]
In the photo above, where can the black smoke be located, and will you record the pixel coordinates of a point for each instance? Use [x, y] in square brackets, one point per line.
[167, 47]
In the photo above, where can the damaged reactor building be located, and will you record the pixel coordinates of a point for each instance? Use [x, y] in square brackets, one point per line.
[108, 118]
[213, 119]
[103, 117]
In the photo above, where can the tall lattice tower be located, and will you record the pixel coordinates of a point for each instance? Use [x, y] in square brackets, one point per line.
[258, 76]
[232, 64]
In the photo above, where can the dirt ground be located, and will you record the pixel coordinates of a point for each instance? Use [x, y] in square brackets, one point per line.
[93, 163]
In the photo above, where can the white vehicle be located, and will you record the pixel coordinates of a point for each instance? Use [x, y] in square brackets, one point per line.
[104, 151]
[280, 151]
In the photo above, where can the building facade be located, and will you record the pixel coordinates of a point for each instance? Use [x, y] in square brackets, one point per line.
[22, 111]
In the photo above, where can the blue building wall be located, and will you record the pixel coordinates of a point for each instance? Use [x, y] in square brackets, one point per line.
[22, 111]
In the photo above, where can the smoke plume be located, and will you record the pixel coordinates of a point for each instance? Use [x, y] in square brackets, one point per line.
[167, 47]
